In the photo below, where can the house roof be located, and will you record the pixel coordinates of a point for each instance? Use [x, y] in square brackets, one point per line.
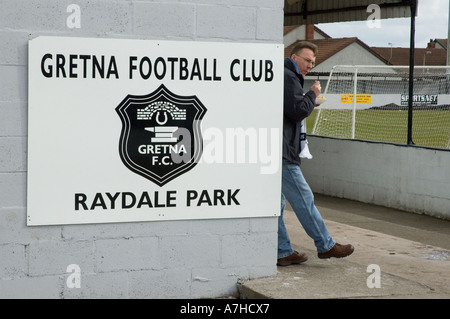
[326, 36]
[400, 56]
[435, 54]
[289, 28]
[329, 47]
[438, 43]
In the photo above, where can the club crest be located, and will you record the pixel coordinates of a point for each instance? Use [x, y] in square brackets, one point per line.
[161, 137]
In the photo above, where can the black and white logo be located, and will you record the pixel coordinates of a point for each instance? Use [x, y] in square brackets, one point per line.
[161, 137]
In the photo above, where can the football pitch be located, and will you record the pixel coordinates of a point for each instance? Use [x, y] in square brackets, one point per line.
[430, 127]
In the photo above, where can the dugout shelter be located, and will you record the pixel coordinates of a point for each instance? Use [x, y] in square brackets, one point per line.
[325, 11]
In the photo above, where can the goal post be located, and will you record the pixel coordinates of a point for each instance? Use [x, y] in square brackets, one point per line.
[380, 110]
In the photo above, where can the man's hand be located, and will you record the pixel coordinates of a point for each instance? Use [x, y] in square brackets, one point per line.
[316, 88]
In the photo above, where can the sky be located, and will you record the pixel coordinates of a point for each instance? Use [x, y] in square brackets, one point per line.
[431, 23]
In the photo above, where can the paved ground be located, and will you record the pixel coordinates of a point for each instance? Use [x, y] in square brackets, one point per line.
[411, 252]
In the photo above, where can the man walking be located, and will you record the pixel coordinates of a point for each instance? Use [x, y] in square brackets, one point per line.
[297, 106]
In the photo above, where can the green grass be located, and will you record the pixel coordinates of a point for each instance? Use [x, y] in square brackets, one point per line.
[430, 127]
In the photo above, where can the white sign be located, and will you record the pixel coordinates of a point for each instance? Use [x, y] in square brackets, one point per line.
[123, 130]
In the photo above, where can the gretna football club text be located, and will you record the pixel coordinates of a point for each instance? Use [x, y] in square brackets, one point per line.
[170, 130]
[169, 68]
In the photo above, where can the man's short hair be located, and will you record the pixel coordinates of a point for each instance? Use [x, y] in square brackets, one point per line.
[304, 45]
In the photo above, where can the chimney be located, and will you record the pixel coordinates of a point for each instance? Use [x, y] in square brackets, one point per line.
[309, 32]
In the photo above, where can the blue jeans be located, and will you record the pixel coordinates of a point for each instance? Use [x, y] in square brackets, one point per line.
[297, 191]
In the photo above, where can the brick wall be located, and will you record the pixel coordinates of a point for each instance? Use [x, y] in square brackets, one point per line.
[173, 259]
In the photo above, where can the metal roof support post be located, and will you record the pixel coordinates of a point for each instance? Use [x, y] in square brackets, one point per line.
[448, 38]
[413, 5]
[355, 85]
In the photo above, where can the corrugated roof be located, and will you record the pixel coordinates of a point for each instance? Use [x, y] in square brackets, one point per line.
[299, 12]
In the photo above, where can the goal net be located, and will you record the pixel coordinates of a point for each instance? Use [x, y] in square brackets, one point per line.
[380, 110]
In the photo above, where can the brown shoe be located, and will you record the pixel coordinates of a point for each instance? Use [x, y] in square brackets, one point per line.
[294, 258]
[338, 251]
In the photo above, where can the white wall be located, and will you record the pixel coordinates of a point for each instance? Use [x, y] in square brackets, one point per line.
[176, 259]
[414, 179]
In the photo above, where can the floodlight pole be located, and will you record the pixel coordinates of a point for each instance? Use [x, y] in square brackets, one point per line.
[413, 4]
